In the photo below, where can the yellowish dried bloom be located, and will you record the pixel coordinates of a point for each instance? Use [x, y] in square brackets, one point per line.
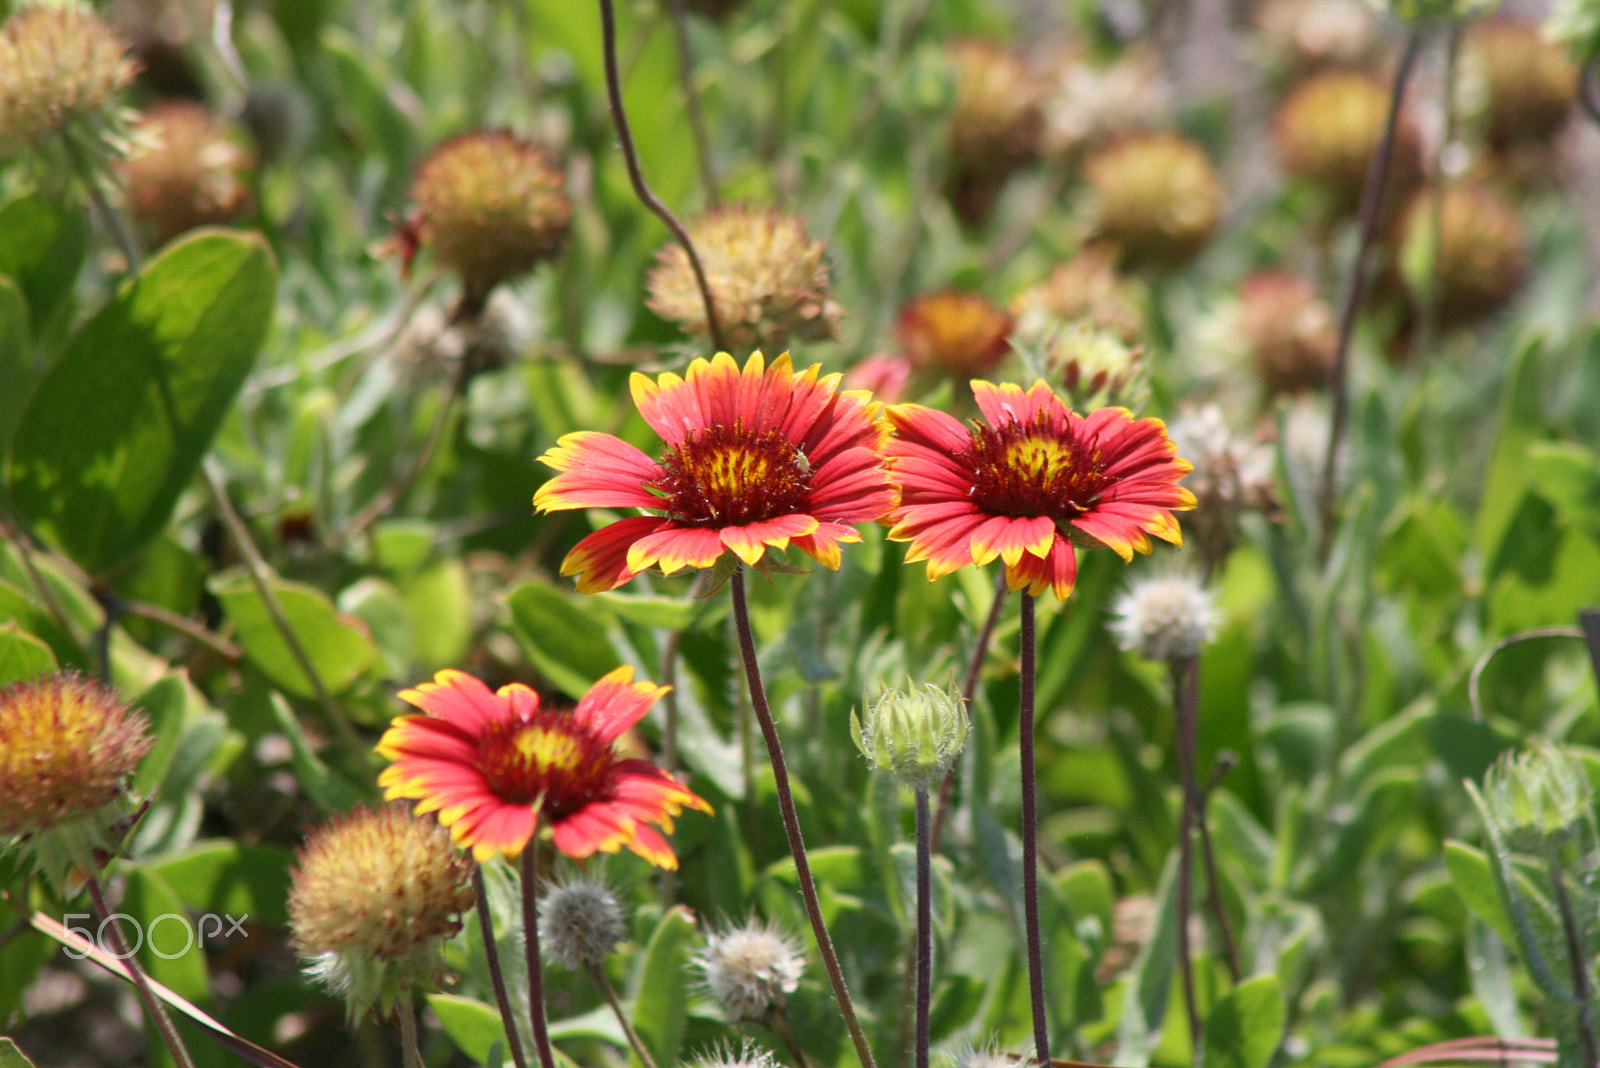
[1530, 83]
[995, 124]
[183, 170]
[1482, 254]
[68, 750]
[1327, 129]
[1087, 287]
[374, 895]
[1301, 35]
[60, 66]
[953, 332]
[768, 280]
[489, 206]
[1288, 330]
[1157, 198]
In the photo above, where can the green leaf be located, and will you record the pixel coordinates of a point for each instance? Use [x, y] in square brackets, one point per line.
[16, 360]
[1244, 1029]
[22, 656]
[473, 1026]
[1150, 984]
[11, 1056]
[1475, 882]
[328, 790]
[226, 878]
[338, 645]
[563, 637]
[43, 243]
[117, 426]
[166, 704]
[661, 1006]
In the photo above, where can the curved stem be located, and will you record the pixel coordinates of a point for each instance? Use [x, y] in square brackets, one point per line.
[791, 822]
[497, 978]
[780, 1023]
[924, 926]
[619, 116]
[969, 687]
[530, 940]
[1030, 839]
[152, 1005]
[1371, 215]
[391, 494]
[597, 973]
[1185, 696]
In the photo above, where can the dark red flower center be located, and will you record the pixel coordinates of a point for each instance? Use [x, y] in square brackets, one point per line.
[1024, 469]
[549, 759]
[730, 477]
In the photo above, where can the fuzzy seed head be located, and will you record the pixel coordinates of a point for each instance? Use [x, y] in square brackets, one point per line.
[747, 1056]
[1166, 617]
[1288, 330]
[1482, 259]
[1156, 198]
[996, 120]
[914, 735]
[59, 65]
[373, 895]
[750, 970]
[490, 206]
[580, 923]
[768, 280]
[184, 170]
[1231, 475]
[1530, 83]
[956, 333]
[1326, 131]
[68, 747]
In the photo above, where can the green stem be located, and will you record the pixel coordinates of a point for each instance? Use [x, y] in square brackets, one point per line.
[924, 925]
[969, 687]
[497, 979]
[1185, 696]
[1032, 935]
[410, 1050]
[530, 940]
[153, 1007]
[791, 822]
[597, 972]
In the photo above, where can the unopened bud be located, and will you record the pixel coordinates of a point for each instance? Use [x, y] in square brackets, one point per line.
[914, 735]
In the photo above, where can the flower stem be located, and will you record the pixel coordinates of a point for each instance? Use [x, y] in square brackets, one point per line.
[969, 687]
[530, 939]
[597, 973]
[1185, 692]
[406, 1010]
[1371, 216]
[924, 925]
[641, 189]
[1225, 763]
[780, 1023]
[1577, 960]
[791, 821]
[497, 978]
[153, 1007]
[1030, 840]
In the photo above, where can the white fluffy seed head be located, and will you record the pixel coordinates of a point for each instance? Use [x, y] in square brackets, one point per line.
[1165, 617]
[748, 1055]
[751, 969]
[580, 922]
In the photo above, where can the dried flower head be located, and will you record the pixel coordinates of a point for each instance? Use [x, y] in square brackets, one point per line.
[954, 332]
[1482, 258]
[914, 735]
[1094, 366]
[1327, 129]
[1088, 287]
[68, 749]
[1297, 36]
[184, 170]
[1088, 104]
[1165, 617]
[1529, 82]
[995, 123]
[374, 894]
[580, 922]
[489, 206]
[750, 970]
[1231, 476]
[61, 68]
[1156, 198]
[768, 280]
[1288, 330]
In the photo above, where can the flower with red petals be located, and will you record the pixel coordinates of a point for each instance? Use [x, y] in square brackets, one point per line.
[1034, 481]
[493, 765]
[754, 458]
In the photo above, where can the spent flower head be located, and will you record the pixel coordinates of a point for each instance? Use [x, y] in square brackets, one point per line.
[768, 280]
[1156, 198]
[61, 70]
[953, 332]
[1170, 618]
[1481, 256]
[750, 970]
[374, 894]
[1326, 131]
[184, 170]
[913, 734]
[69, 747]
[580, 923]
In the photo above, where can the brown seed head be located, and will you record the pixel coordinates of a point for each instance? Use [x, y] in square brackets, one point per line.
[184, 170]
[996, 122]
[1482, 256]
[59, 65]
[1530, 83]
[768, 280]
[1328, 128]
[1288, 330]
[1156, 198]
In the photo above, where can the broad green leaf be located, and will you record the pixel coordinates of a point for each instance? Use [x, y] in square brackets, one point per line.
[661, 1005]
[438, 599]
[1490, 966]
[338, 645]
[229, 879]
[117, 426]
[165, 703]
[16, 360]
[565, 638]
[1475, 881]
[43, 243]
[172, 955]
[22, 656]
[1244, 1029]
[11, 1056]
[473, 1026]
[1521, 422]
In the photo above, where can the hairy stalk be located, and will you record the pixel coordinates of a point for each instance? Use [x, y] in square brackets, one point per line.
[791, 822]
[619, 117]
[1185, 699]
[1225, 763]
[410, 1049]
[497, 978]
[153, 1007]
[183, 625]
[530, 941]
[691, 98]
[1371, 215]
[924, 925]
[113, 219]
[1030, 839]
[780, 1023]
[969, 687]
[1577, 960]
[597, 973]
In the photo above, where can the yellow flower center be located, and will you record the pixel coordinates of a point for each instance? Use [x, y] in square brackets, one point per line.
[548, 760]
[729, 477]
[1029, 470]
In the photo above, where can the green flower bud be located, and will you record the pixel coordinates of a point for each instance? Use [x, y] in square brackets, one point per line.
[914, 735]
[1538, 796]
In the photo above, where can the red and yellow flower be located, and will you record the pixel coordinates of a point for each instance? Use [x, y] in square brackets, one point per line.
[494, 765]
[1032, 483]
[755, 458]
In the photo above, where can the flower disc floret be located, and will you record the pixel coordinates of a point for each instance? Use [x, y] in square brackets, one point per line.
[1029, 483]
[493, 765]
[754, 459]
